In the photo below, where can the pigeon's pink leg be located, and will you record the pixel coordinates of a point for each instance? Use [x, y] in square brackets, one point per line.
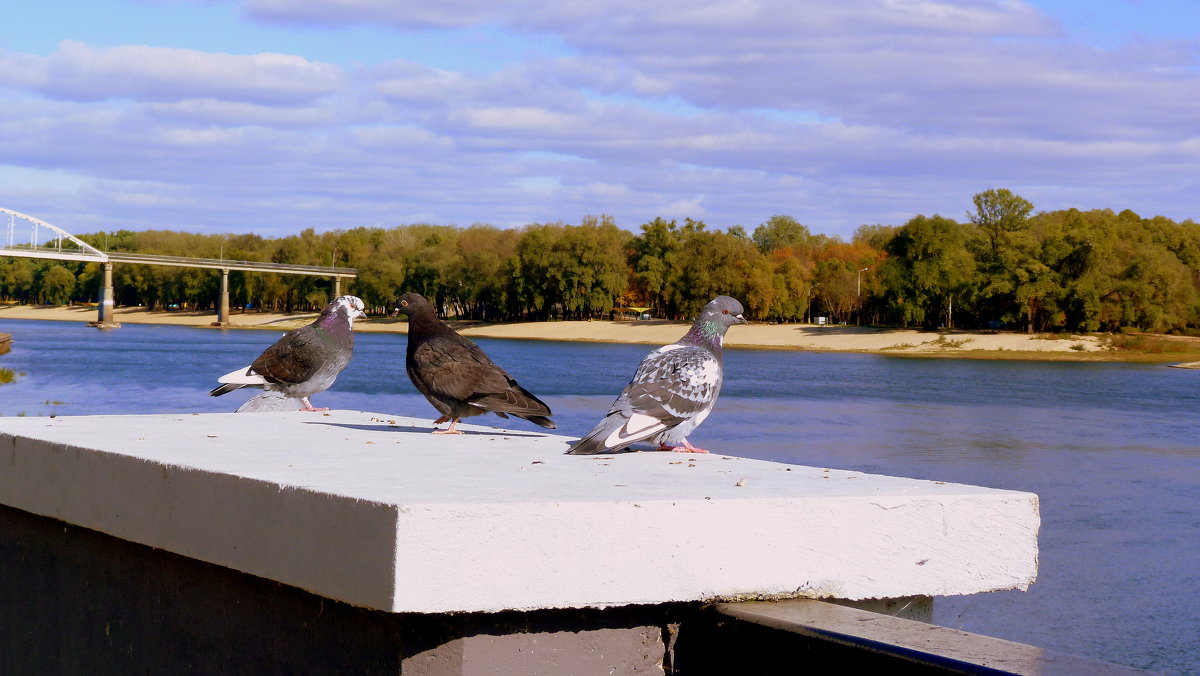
[450, 429]
[309, 407]
[685, 447]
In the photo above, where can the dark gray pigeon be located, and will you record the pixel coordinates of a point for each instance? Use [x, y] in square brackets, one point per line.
[304, 361]
[673, 390]
[456, 376]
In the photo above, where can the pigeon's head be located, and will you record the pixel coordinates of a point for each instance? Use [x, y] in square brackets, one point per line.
[410, 303]
[723, 310]
[351, 307]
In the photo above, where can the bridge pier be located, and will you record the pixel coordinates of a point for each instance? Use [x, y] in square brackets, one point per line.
[104, 319]
[337, 287]
[223, 303]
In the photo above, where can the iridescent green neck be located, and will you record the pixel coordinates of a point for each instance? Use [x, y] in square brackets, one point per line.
[706, 333]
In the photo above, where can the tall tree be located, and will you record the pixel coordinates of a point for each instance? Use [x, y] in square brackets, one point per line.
[652, 255]
[1015, 280]
[928, 270]
[780, 232]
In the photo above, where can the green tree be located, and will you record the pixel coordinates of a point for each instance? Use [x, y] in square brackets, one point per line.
[780, 232]
[652, 255]
[590, 266]
[57, 285]
[710, 263]
[1015, 280]
[928, 268]
[999, 212]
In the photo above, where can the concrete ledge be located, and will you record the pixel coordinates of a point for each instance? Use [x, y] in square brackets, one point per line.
[374, 511]
[916, 643]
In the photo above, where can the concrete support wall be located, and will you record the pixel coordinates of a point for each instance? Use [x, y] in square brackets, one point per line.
[80, 602]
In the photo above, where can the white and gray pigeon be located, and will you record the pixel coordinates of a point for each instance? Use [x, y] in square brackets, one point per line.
[304, 361]
[673, 390]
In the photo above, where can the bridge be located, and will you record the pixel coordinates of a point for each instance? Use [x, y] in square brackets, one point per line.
[50, 241]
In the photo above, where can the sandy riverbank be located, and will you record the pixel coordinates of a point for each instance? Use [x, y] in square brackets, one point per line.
[786, 336]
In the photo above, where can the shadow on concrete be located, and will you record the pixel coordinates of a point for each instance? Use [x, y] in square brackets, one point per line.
[415, 429]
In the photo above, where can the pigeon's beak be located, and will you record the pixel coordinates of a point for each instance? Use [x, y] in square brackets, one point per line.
[740, 319]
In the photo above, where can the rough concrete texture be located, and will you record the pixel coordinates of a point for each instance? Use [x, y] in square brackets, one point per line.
[80, 602]
[375, 511]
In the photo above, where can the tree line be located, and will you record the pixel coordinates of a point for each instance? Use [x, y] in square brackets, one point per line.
[1002, 266]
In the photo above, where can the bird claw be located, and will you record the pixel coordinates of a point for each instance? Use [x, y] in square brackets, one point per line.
[452, 429]
[685, 448]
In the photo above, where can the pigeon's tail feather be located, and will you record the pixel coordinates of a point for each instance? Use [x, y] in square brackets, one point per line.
[541, 421]
[242, 377]
[618, 431]
[517, 401]
[224, 389]
[585, 446]
[596, 441]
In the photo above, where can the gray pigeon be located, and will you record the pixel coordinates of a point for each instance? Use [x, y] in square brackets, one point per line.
[673, 390]
[456, 376]
[304, 361]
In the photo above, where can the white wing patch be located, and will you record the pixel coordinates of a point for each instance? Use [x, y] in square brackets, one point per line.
[242, 376]
[638, 427]
[710, 373]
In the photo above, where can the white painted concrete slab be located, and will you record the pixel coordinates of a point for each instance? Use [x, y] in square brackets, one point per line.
[373, 510]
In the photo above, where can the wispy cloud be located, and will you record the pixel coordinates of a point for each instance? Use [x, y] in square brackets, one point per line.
[81, 73]
[838, 113]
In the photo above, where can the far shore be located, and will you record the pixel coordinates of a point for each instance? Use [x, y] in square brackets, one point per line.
[838, 338]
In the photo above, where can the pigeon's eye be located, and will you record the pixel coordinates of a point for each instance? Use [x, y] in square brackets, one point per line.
[724, 312]
[403, 303]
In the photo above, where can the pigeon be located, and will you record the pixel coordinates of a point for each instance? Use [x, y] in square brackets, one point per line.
[304, 361]
[456, 376]
[673, 390]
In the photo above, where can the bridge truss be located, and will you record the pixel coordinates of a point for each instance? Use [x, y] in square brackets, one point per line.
[50, 241]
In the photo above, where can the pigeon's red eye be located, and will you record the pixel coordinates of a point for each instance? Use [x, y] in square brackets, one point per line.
[403, 303]
[724, 312]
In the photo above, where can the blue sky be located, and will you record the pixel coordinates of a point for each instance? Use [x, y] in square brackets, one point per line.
[270, 116]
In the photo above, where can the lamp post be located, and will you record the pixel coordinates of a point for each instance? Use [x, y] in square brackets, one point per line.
[858, 317]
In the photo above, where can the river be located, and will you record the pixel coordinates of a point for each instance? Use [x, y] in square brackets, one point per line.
[1112, 449]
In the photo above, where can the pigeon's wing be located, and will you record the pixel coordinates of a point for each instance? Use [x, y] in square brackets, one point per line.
[450, 367]
[672, 385]
[444, 367]
[294, 358]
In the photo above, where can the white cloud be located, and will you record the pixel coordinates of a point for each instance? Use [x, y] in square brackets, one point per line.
[838, 113]
[79, 72]
[235, 113]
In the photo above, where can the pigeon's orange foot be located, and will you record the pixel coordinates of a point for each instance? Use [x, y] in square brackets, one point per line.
[684, 448]
[308, 405]
[449, 430]
[441, 420]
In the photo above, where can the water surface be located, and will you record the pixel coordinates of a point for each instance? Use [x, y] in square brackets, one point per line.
[1113, 450]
